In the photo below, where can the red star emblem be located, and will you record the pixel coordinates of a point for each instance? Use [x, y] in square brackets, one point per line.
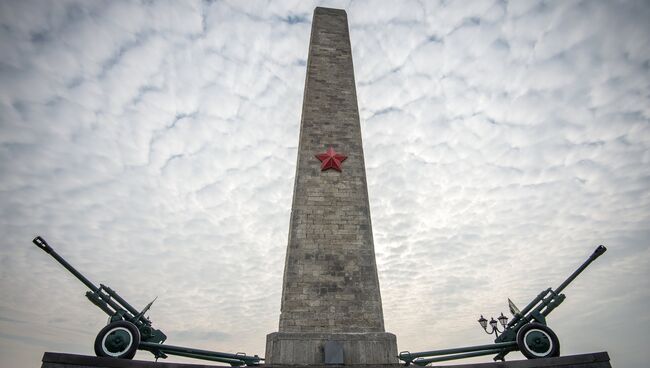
[331, 160]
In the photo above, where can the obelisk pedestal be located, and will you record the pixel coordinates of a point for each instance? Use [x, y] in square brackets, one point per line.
[331, 305]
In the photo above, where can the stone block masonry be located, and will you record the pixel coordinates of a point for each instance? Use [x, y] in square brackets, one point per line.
[330, 277]
[330, 289]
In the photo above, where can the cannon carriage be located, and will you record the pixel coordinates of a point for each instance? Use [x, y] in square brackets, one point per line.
[129, 330]
[527, 332]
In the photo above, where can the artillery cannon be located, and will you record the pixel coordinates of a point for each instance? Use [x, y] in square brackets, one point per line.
[526, 332]
[129, 330]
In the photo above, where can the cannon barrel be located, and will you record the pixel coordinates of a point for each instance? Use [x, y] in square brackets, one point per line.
[103, 297]
[530, 320]
[551, 302]
[597, 253]
[122, 302]
[41, 243]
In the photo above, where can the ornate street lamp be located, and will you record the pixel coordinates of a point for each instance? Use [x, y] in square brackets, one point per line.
[493, 324]
[503, 320]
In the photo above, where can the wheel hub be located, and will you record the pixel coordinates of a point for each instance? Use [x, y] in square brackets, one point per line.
[117, 341]
[538, 342]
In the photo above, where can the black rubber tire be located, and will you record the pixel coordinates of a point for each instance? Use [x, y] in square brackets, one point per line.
[121, 350]
[547, 343]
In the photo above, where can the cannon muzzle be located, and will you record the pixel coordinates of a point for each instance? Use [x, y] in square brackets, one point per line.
[41, 243]
[598, 252]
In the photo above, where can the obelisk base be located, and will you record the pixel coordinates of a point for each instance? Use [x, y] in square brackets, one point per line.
[309, 348]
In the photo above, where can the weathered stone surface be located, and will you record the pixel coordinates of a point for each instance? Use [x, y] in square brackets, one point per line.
[331, 289]
[309, 348]
[330, 277]
[58, 360]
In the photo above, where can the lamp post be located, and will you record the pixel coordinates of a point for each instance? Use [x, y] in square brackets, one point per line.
[493, 324]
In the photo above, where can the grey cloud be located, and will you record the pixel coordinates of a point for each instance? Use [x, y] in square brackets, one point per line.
[154, 146]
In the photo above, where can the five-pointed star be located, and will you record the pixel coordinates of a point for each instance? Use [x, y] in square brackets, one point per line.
[331, 160]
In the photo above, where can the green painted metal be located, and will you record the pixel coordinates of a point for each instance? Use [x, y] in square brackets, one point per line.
[535, 312]
[236, 359]
[405, 355]
[118, 341]
[109, 301]
[232, 362]
[423, 362]
[538, 342]
[455, 353]
[150, 339]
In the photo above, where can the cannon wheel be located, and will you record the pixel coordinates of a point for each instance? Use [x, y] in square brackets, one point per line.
[118, 339]
[536, 340]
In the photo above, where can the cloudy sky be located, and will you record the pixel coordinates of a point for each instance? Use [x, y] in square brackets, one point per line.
[153, 144]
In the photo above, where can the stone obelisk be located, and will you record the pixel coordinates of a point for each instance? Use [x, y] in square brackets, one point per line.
[331, 305]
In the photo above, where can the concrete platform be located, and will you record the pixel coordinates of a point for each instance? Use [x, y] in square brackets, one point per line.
[295, 348]
[61, 360]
